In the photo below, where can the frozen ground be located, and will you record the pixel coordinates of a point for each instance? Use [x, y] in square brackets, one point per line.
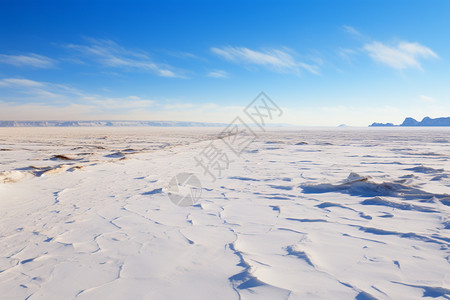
[306, 214]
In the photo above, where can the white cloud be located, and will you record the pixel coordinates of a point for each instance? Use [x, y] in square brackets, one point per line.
[279, 60]
[37, 90]
[42, 111]
[30, 60]
[427, 99]
[24, 99]
[32, 92]
[179, 106]
[92, 111]
[347, 53]
[130, 102]
[18, 82]
[400, 56]
[218, 74]
[44, 94]
[109, 53]
[351, 30]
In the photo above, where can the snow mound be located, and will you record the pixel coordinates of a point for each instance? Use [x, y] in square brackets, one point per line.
[357, 185]
[13, 176]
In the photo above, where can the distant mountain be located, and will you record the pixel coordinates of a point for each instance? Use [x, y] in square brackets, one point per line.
[427, 121]
[107, 124]
[381, 124]
[410, 122]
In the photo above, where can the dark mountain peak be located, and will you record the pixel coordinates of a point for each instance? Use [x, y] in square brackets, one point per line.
[427, 121]
[410, 122]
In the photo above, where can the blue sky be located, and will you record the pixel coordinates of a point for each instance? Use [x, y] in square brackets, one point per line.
[324, 62]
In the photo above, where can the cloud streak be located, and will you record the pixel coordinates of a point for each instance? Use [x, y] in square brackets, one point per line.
[352, 31]
[18, 82]
[30, 60]
[34, 100]
[427, 99]
[110, 54]
[275, 59]
[29, 93]
[57, 94]
[127, 103]
[403, 55]
[218, 74]
[37, 90]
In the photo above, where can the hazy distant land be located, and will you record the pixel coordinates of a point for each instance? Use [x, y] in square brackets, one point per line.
[408, 122]
[427, 121]
[107, 124]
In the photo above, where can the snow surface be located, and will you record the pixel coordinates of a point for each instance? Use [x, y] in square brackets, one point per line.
[302, 214]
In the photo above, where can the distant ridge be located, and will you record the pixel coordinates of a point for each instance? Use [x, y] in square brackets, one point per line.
[410, 122]
[125, 124]
[108, 124]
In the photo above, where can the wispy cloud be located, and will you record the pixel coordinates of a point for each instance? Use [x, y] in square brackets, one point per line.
[19, 82]
[179, 106]
[53, 101]
[37, 90]
[110, 54]
[130, 102]
[427, 99]
[57, 94]
[275, 59]
[352, 31]
[218, 74]
[30, 60]
[347, 53]
[86, 111]
[401, 55]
